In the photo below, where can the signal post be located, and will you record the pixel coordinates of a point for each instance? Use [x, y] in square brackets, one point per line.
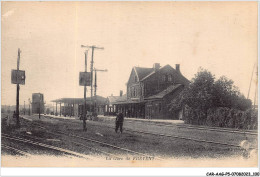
[18, 77]
[85, 80]
[93, 47]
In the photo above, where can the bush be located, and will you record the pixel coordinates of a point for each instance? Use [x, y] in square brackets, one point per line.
[222, 117]
[190, 116]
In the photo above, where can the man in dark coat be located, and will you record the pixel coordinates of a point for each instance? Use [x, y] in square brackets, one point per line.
[119, 121]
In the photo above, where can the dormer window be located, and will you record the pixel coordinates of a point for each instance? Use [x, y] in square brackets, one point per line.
[135, 78]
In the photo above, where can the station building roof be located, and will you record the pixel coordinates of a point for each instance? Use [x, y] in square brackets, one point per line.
[142, 72]
[99, 99]
[123, 99]
[116, 99]
[165, 92]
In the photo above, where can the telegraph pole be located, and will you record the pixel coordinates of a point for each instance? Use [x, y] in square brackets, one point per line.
[95, 87]
[17, 92]
[250, 81]
[18, 77]
[95, 94]
[93, 47]
[85, 92]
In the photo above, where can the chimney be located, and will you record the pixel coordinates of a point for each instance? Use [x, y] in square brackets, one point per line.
[121, 93]
[156, 66]
[178, 68]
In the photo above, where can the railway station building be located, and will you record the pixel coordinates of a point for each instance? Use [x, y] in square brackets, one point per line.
[149, 91]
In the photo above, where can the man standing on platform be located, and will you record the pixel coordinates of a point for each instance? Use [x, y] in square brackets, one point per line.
[119, 121]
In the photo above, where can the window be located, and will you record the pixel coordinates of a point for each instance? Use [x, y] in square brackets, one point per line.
[163, 78]
[170, 78]
[135, 78]
[133, 92]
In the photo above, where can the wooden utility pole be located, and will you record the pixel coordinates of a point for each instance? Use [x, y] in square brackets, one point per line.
[95, 87]
[93, 47]
[18, 77]
[250, 81]
[85, 93]
[17, 92]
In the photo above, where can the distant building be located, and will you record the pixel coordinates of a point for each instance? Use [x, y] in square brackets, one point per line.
[75, 106]
[112, 101]
[149, 91]
[37, 103]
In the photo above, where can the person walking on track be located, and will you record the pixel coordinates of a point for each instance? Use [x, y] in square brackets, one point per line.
[119, 121]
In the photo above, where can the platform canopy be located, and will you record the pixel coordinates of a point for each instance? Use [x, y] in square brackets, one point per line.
[98, 99]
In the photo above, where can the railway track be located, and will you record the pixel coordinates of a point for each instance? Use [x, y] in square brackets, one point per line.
[197, 127]
[109, 145]
[226, 130]
[74, 142]
[180, 137]
[218, 129]
[97, 142]
[65, 151]
[176, 137]
[16, 150]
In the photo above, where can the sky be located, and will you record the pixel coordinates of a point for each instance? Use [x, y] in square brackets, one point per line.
[218, 36]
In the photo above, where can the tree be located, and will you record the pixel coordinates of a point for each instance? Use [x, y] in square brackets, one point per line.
[228, 95]
[223, 92]
[198, 95]
[205, 93]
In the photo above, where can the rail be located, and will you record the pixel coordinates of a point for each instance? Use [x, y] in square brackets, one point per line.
[45, 146]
